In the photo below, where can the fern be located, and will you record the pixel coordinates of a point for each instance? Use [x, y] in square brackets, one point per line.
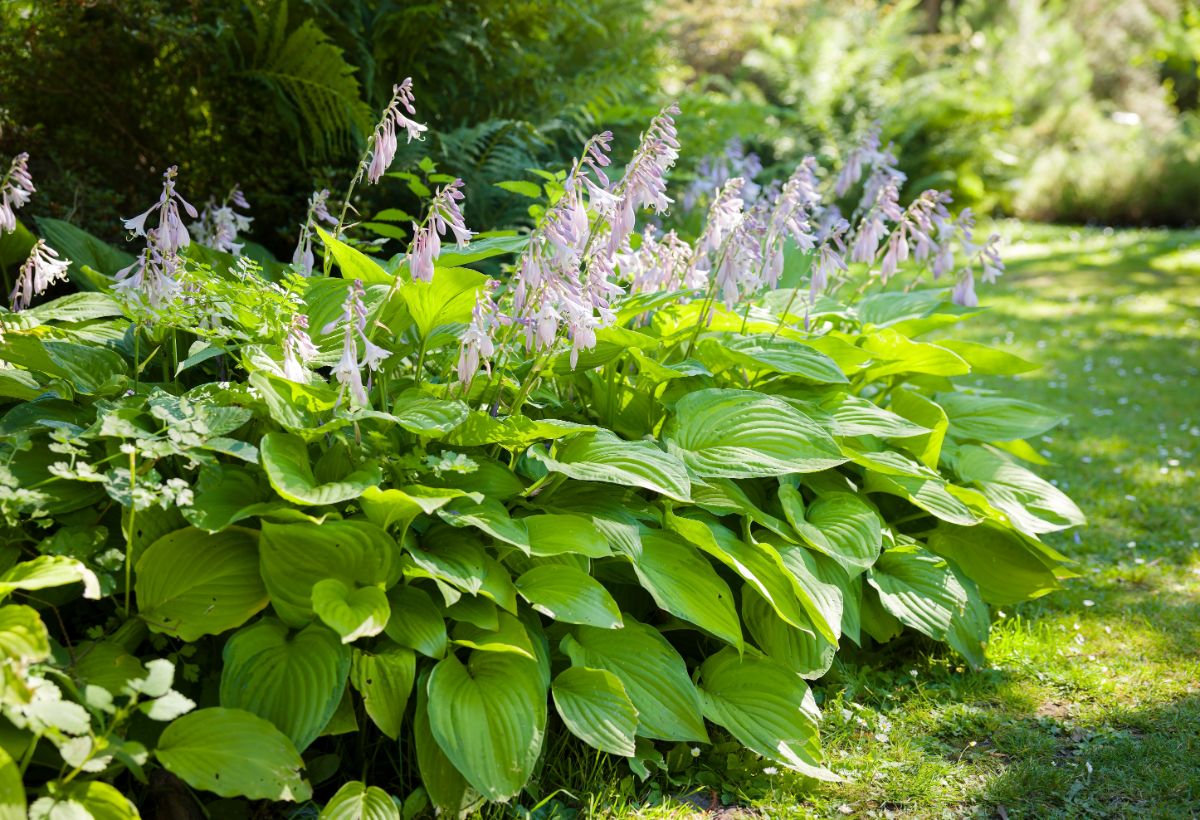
[315, 87]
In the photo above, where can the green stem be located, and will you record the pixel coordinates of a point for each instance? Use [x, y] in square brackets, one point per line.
[129, 537]
[421, 359]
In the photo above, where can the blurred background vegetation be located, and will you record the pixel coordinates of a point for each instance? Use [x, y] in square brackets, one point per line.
[1058, 110]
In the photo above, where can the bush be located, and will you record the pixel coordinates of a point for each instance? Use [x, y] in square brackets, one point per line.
[341, 539]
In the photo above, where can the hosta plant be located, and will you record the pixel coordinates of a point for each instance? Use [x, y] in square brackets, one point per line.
[367, 538]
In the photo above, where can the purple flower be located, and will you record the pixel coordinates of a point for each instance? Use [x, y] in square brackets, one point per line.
[353, 323]
[383, 142]
[219, 226]
[444, 215]
[41, 270]
[152, 280]
[964, 290]
[172, 234]
[477, 343]
[318, 211]
[298, 350]
[16, 188]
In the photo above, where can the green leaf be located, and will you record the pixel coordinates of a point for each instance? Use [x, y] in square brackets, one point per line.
[82, 249]
[384, 677]
[354, 264]
[1001, 562]
[445, 784]
[569, 595]
[989, 361]
[800, 649]
[507, 635]
[426, 415]
[482, 248]
[294, 681]
[929, 494]
[762, 704]
[351, 613]
[489, 718]
[12, 793]
[75, 307]
[357, 801]
[233, 753]
[602, 456]
[682, 582]
[655, 677]
[760, 353]
[296, 556]
[919, 588]
[920, 410]
[522, 187]
[416, 621]
[557, 534]
[995, 418]
[852, 530]
[595, 708]
[92, 800]
[488, 516]
[225, 495]
[1032, 504]
[446, 300]
[46, 571]
[900, 354]
[88, 367]
[285, 459]
[855, 416]
[192, 583]
[743, 434]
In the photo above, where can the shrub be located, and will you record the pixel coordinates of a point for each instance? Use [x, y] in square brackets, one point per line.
[323, 538]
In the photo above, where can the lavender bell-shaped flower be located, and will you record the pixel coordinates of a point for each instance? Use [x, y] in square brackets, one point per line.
[298, 350]
[383, 146]
[220, 225]
[41, 270]
[16, 188]
[172, 234]
[444, 215]
[478, 345]
[353, 323]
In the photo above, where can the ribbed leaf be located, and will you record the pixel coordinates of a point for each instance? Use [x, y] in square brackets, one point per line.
[852, 529]
[995, 418]
[919, 588]
[594, 706]
[602, 456]
[489, 718]
[554, 534]
[764, 353]
[416, 621]
[357, 801]
[801, 649]
[1032, 504]
[998, 560]
[233, 753]
[744, 434]
[760, 703]
[384, 677]
[192, 583]
[293, 680]
[654, 676]
[352, 613]
[856, 416]
[285, 459]
[569, 595]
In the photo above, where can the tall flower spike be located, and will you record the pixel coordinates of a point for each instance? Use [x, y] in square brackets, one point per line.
[15, 190]
[172, 235]
[220, 225]
[298, 350]
[644, 183]
[383, 147]
[478, 345]
[318, 211]
[353, 323]
[41, 270]
[444, 215]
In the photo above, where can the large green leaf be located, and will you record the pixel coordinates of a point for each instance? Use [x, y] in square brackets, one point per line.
[899, 354]
[85, 800]
[744, 434]
[594, 706]
[285, 459]
[83, 249]
[384, 677]
[996, 418]
[293, 680]
[351, 613]
[357, 801]
[354, 264]
[920, 410]
[929, 494]
[987, 360]
[920, 589]
[23, 636]
[851, 527]
[682, 582]
[855, 416]
[416, 621]
[655, 677]
[483, 247]
[12, 793]
[489, 718]
[296, 556]
[1032, 504]
[446, 300]
[225, 495]
[447, 788]
[47, 571]
[757, 353]
[602, 456]
[570, 595]
[88, 367]
[234, 754]
[1001, 562]
[488, 516]
[192, 583]
[800, 649]
[761, 703]
[427, 415]
[554, 534]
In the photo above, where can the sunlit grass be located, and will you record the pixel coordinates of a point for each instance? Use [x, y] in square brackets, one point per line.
[1091, 704]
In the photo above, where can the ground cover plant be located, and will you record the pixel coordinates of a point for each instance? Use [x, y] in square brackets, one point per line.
[365, 534]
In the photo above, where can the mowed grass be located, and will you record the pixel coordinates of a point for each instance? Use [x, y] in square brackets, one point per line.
[1090, 706]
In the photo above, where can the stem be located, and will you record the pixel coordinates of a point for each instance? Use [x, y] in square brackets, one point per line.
[137, 356]
[783, 316]
[527, 387]
[129, 538]
[421, 360]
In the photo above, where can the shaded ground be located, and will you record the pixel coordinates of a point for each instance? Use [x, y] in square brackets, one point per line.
[1091, 707]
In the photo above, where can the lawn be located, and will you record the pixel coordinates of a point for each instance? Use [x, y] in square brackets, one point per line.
[1090, 706]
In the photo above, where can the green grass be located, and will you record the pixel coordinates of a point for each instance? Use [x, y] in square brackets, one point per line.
[1090, 706]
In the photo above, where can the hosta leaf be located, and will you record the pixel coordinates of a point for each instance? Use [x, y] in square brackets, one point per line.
[426, 415]
[92, 800]
[919, 588]
[488, 516]
[554, 534]
[12, 793]
[351, 613]
[744, 434]
[295, 556]
[995, 418]
[655, 677]
[86, 367]
[602, 456]
[761, 704]
[357, 801]
[1032, 504]
[822, 600]
[293, 680]
[23, 636]
[899, 354]
[762, 353]
[384, 677]
[447, 299]
[47, 571]
[800, 649]
[192, 583]
[595, 708]
[353, 263]
[1006, 569]
[416, 621]
[930, 494]
[569, 595]
[987, 360]
[447, 788]
[682, 582]
[920, 410]
[285, 459]
[489, 718]
[233, 753]
[509, 635]
[851, 527]
[226, 495]
[855, 416]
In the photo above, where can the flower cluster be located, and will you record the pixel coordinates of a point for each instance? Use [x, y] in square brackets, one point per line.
[220, 225]
[15, 190]
[153, 279]
[41, 270]
[383, 143]
[318, 211]
[444, 214]
[713, 172]
[353, 324]
[477, 344]
[298, 350]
